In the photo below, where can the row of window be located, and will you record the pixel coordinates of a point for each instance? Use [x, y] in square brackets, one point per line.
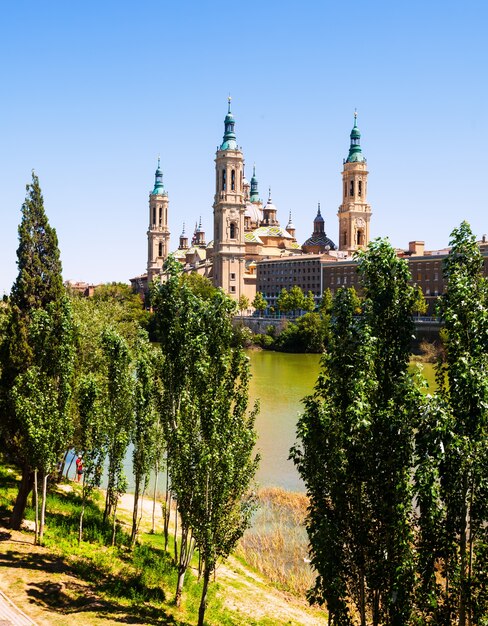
[351, 188]
[160, 216]
[306, 270]
[224, 182]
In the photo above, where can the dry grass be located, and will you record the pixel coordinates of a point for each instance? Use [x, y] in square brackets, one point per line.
[277, 543]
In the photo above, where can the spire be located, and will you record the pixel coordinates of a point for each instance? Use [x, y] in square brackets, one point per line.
[269, 196]
[229, 141]
[183, 239]
[355, 153]
[318, 223]
[290, 224]
[254, 186]
[199, 229]
[158, 182]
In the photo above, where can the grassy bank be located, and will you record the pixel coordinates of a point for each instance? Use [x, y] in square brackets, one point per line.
[95, 583]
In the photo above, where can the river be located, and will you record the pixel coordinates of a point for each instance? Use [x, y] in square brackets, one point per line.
[279, 382]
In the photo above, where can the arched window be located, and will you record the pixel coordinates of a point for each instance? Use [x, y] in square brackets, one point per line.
[160, 249]
[224, 180]
[360, 188]
[359, 238]
[233, 180]
[351, 188]
[232, 231]
[160, 215]
[241, 182]
[345, 189]
[154, 216]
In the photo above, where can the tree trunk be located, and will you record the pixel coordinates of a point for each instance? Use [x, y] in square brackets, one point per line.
[36, 506]
[167, 513]
[135, 511]
[62, 465]
[114, 525]
[186, 553]
[25, 488]
[153, 523]
[43, 507]
[462, 554]
[82, 513]
[203, 600]
[176, 534]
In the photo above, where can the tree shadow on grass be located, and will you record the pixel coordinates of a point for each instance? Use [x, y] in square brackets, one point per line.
[71, 597]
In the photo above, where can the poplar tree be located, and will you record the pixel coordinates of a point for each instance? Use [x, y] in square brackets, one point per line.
[356, 452]
[120, 415]
[210, 434]
[452, 473]
[146, 424]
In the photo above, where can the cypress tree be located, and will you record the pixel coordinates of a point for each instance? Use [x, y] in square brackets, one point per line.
[38, 285]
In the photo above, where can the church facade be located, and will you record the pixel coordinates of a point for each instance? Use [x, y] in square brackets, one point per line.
[247, 231]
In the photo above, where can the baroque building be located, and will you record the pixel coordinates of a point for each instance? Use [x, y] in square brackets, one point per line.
[247, 232]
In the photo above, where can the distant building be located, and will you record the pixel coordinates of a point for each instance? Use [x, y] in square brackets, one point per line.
[246, 231]
[85, 289]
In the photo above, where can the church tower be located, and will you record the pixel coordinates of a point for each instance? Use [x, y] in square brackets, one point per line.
[354, 213]
[229, 208]
[158, 231]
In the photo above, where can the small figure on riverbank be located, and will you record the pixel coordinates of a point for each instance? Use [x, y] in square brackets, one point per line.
[79, 468]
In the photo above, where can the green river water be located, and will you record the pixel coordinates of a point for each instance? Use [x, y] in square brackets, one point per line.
[279, 381]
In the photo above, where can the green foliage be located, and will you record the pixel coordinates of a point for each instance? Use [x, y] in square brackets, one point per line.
[356, 450]
[420, 305]
[39, 280]
[210, 434]
[200, 285]
[36, 354]
[452, 473]
[309, 302]
[326, 302]
[118, 375]
[131, 303]
[260, 303]
[283, 301]
[243, 303]
[307, 334]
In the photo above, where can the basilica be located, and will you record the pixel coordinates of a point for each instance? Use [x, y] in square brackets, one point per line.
[247, 231]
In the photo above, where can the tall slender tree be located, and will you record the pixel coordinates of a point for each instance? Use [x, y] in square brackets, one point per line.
[452, 474]
[210, 434]
[356, 453]
[120, 414]
[146, 424]
[37, 286]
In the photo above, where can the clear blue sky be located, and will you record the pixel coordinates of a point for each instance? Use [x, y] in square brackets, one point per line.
[92, 92]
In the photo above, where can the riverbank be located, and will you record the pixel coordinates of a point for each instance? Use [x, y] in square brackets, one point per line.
[94, 584]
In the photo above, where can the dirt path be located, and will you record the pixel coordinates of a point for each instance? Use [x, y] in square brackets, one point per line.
[245, 591]
[44, 587]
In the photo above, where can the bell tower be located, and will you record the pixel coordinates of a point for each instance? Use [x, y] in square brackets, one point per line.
[354, 213]
[158, 231]
[229, 208]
